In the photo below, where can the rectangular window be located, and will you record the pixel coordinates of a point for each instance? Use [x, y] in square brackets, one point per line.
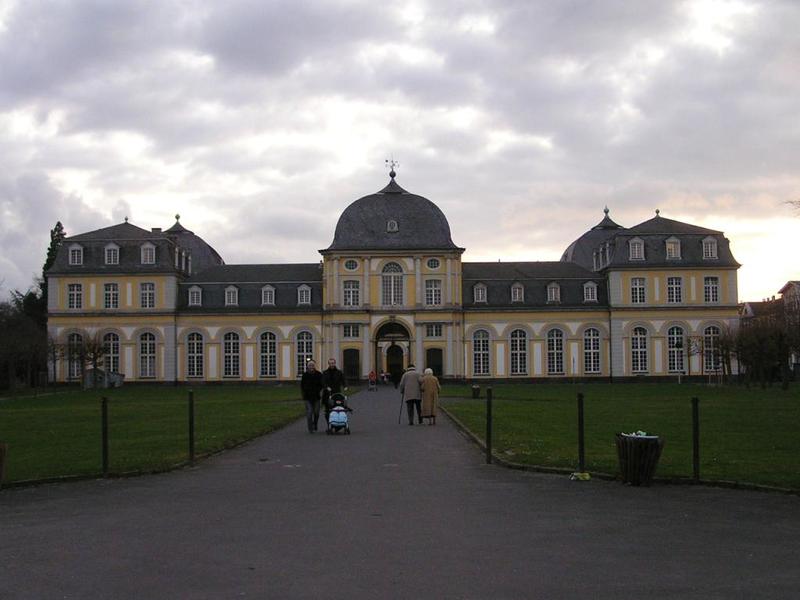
[267, 296]
[195, 297]
[148, 255]
[711, 289]
[433, 292]
[553, 293]
[591, 351]
[637, 290]
[304, 295]
[74, 295]
[76, 256]
[231, 297]
[433, 330]
[479, 293]
[147, 295]
[709, 249]
[392, 290]
[351, 293]
[590, 293]
[111, 295]
[637, 250]
[674, 290]
[112, 256]
[350, 330]
[516, 293]
[673, 249]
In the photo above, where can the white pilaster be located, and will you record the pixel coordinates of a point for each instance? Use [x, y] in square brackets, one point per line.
[418, 279]
[365, 265]
[448, 290]
[418, 358]
[500, 354]
[448, 364]
[335, 295]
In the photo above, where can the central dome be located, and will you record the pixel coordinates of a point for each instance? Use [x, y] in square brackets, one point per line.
[392, 219]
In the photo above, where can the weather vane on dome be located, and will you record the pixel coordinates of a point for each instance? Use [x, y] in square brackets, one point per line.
[392, 163]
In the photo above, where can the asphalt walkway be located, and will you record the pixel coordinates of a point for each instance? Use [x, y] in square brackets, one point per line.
[390, 511]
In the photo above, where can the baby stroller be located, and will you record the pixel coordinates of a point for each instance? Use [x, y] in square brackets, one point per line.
[338, 419]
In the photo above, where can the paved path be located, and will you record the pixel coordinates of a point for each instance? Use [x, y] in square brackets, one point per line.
[390, 512]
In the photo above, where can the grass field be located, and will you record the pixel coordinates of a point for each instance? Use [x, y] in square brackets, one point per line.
[60, 434]
[746, 435]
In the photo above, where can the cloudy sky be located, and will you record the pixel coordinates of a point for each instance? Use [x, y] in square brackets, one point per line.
[259, 121]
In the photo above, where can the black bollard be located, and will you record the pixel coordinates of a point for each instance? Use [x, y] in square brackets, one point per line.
[489, 425]
[696, 438]
[191, 427]
[104, 429]
[581, 439]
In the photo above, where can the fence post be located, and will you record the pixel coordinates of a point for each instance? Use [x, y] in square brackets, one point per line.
[696, 438]
[489, 425]
[104, 429]
[191, 427]
[581, 439]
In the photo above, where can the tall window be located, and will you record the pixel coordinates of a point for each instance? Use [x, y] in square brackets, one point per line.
[392, 285]
[111, 295]
[74, 355]
[480, 352]
[147, 295]
[639, 350]
[479, 293]
[112, 255]
[711, 289]
[351, 293]
[148, 254]
[305, 351]
[637, 290]
[674, 290]
[636, 250]
[268, 355]
[195, 296]
[711, 354]
[267, 295]
[517, 293]
[519, 352]
[231, 296]
[230, 354]
[74, 295]
[673, 249]
[111, 352]
[304, 295]
[553, 292]
[709, 248]
[555, 352]
[75, 255]
[590, 292]
[433, 292]
[676, 349]
[147, 355]
[591, 350]
[194, 355]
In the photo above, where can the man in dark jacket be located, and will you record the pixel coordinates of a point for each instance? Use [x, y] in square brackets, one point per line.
[311, 387]
[333, 382]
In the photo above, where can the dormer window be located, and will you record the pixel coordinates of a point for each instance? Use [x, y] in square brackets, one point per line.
[75, 255]
[553, 292]
[636, 249]
[479, 293]
[590, 291]
[304, 294]
[112, 254]
[709, 248]
[231, 296]
[517, 293]
[268, 296]
[673, 249]
[148, 254]
[195, 296]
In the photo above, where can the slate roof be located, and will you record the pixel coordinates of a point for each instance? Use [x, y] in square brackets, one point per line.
[663, 226]
[203, 255]
[363, 224]
[534, 277]
[581, 250]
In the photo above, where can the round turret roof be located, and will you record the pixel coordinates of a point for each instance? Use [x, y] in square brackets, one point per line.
[580, 251]
[392, 219]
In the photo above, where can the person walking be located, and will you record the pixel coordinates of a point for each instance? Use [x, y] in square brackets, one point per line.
[333, 382]
[409, 389]
[311, 388]
[430, 396]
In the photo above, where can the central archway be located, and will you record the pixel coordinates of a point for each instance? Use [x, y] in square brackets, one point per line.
[393, 359]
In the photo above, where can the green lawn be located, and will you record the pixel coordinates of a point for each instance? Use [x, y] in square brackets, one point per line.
[745, 435]
[60, 434]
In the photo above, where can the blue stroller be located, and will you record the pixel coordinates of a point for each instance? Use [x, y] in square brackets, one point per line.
[338, 419]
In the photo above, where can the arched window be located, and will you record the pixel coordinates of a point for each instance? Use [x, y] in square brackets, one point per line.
[230, 354]
[74, 356]
[676, 350]
[519, 352]
[194, 355]
[711, 355]
[392, 285]
[480, 352]
[591, 350]
[111, 352]
[639, 350]
[147, 355]
[268, 355]
[305, 351]
[555, 352]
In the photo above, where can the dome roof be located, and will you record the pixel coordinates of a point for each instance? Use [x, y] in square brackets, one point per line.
[392, 219]
[580, 251]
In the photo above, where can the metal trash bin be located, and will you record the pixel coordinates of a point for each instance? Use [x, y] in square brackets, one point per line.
[476, 392]
[638, 457]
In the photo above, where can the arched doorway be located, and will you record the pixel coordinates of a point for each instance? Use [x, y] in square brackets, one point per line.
[397, 336]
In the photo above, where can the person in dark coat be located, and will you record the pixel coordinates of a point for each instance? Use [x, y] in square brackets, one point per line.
[311, 387]
[333, 382]
[410, 390]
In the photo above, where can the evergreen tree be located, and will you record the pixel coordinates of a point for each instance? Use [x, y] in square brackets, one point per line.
[57, 235]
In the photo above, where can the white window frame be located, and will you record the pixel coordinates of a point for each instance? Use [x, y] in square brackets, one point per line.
[433, 264]
[111, 352]
[518, 350]
[75, 255]
[303, 294]
[517, 293]
[673, 248]
[74, 356]
[639, 343]
[304, 351]
[267, 296]
[351, 292]
[147, 254]
[351, 331]
[555, 352]
[195, 292]
[553, 292]
[147, 355]
[676, 349]
[268, 354]
[481, 365]
[433, 292]
[351, 264]
[479, 293]
[638, 290]
[110, 296]
[591, 351]
[195, 359]
[433, 330]
[710, 249]
[147, 294]
[711, 289]
[636, 249]
[674, 290]
[590, 291]
[392, 284]
[231, 354]
[712, 361]
[111, 254]
[231, 296]
[74, 296]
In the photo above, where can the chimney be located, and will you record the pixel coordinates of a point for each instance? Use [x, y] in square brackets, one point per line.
[156, 229]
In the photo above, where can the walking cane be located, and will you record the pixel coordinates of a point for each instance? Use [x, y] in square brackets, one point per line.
[400, 414]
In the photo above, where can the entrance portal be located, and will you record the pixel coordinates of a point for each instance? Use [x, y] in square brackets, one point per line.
[433, 360]
[394, 362]
[392, 332]
[352, 364]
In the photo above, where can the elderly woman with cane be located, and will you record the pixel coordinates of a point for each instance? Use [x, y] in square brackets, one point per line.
[430, 396]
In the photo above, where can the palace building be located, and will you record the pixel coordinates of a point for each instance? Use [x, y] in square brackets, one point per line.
[391, 289]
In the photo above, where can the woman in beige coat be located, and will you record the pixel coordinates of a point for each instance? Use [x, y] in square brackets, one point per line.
[430, 396]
